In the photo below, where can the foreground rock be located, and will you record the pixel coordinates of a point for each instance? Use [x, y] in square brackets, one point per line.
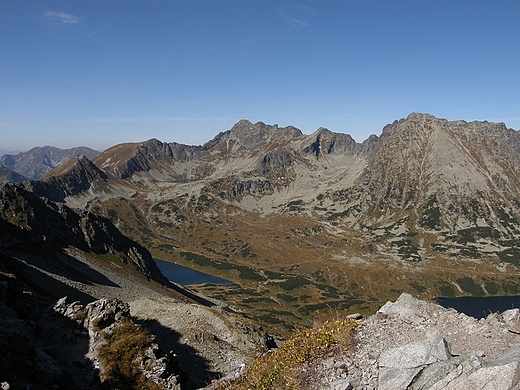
[412, 344]
[192, 345]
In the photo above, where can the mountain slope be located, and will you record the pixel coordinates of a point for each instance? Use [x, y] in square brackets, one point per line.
[30, 223]
[7, 174]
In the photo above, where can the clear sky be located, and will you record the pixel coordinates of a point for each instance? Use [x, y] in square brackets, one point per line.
[101, 72]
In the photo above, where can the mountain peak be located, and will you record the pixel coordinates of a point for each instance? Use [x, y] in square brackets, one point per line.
[249, 134]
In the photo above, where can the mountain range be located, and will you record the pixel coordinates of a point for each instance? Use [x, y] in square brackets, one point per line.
[35, 163]
[309, 222]
[306, 226]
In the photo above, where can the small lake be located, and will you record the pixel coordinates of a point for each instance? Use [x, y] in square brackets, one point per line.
[480, 307]
[186, 276]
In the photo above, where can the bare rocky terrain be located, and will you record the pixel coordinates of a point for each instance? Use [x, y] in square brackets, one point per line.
[412, 344]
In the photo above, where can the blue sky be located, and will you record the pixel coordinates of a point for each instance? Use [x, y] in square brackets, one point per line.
[97, 73]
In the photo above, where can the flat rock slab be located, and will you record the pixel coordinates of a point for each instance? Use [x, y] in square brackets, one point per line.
[416, 354]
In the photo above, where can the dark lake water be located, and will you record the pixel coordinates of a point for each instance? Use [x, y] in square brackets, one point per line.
[185, 276]
[480, 307]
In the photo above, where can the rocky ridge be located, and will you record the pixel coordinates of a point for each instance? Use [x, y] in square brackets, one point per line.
[7, 174]
[27, 219]
[185, 346]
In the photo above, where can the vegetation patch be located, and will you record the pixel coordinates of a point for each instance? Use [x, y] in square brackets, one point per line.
[491, 287]
[287, 298]
[293, 282]
[279, 370]
[407, 250]
[121, 355]
[431, 217]
[467, 284]
[418, 287]
[465, 236]
[446, 290]
[510, 255]
[342, 304]
[470, 251]
[511, 287]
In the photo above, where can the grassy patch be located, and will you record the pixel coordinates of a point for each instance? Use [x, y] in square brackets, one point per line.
[287, 298]
[279, 370]
[293, 282]
[121, 355]
[446, 290]
[418, 287]
[248, 273]
[431, 217]
[510, 255]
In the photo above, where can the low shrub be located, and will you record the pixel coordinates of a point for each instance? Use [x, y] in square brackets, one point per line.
[121, 355]
[280, 369]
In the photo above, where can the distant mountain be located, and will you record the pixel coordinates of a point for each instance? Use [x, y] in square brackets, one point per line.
[429, 206]
[36, 162]
[8, 175]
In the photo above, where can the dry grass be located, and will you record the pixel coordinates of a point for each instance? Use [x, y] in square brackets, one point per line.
[280, 369]
[121, 355]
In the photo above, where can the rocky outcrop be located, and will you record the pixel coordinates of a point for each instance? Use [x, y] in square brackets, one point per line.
[275, 161]
[251, 135]
[100, 320]
[411, 344]
[327, 142]
[73, 177]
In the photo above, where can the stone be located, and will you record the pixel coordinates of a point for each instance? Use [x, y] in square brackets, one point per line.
[341, 385]
[406, 306]
[416, 354]
[396, 378]
[499, 377]
[441, 374]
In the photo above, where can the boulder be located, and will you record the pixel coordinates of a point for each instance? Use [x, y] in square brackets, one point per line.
[399, 366]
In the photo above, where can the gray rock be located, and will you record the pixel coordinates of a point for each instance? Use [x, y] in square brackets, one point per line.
[396, 378]
[416, 354]
[441, 374]
[406, 306]
[500, 377]
[399, 366]
[341, 384]
[503, 373]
